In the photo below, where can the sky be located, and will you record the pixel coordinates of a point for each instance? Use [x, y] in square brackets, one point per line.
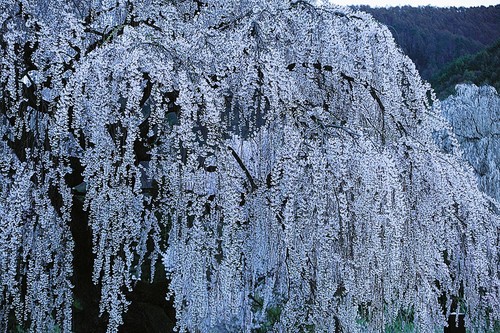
[437, 3]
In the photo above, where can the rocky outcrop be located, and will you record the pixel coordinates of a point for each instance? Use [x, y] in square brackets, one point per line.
[474, 113]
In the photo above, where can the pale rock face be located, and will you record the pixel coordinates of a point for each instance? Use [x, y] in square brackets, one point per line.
[474, 114]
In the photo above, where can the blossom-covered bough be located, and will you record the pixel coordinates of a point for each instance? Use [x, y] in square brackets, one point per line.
[276, 157]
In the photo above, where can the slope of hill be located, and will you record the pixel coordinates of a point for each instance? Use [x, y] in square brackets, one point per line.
[432, 37]
[481, 68]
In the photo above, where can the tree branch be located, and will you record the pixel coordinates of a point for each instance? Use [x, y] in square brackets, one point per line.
[243, 167]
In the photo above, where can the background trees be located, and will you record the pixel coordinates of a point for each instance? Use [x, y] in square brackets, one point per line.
[433, 37]
[278, 159]
[480, 69]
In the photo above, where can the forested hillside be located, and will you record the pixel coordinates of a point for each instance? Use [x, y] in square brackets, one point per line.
[482, 68]
[432, 37]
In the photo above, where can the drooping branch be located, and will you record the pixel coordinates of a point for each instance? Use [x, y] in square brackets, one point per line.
[243, 167]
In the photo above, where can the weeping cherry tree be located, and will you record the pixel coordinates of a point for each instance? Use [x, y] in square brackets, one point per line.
[277, 158]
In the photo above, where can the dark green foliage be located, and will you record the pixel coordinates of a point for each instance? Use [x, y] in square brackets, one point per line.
[481, 68]
[307, 329]
[272, 316]
[402, 324]
[432, 37]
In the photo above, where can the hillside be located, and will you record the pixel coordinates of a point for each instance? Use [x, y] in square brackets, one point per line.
[432, 37]
[481, 68]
